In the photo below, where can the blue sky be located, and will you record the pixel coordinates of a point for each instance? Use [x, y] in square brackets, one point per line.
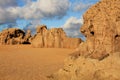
[27, 14]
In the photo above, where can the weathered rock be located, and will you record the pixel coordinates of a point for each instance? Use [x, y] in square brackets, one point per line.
[41, 28]
[53, 38]
[98, 58]
[38, 40]
[101, 27]
[71, 42]
[12, 36]
[83, 68]
[28, 37]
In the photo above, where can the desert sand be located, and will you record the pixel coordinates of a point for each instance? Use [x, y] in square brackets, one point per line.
[23, 62]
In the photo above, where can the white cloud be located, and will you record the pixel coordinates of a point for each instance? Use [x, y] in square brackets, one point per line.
[72, 27]
[45, 9]
[81, 6]
[73, 23]
[34, 10]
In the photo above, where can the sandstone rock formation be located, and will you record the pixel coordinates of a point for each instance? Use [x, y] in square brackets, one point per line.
[53, 38]
[101, 27]
[12, 36]
[28, 37]
[82, 68]
[98, 57]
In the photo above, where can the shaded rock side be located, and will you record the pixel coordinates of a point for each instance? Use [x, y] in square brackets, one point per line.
[53, 38]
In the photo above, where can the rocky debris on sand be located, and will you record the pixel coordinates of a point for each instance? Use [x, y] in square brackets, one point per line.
[53, 38]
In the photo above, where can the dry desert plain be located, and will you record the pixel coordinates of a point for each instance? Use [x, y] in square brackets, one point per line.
[23, 62]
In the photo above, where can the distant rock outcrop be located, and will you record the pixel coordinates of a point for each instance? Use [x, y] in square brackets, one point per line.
[12, 36]
[44, 38]
[98, 57]
[53, 38]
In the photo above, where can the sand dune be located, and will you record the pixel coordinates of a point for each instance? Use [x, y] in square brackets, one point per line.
[22, 62]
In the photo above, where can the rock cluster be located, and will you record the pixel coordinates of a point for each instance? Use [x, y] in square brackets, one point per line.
[98, 57]
[12, 36]
[54, 37]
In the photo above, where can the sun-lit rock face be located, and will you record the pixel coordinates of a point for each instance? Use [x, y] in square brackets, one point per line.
[53, 38]
[98, 57]
[102, 28]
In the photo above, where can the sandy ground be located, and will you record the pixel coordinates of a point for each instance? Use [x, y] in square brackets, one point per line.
[26, 63]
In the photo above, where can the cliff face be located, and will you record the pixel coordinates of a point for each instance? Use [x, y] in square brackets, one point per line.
[54, 37]
[102, 28]
[98, 57]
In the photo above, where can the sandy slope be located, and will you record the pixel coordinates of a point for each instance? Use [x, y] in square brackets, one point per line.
[27, 63]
